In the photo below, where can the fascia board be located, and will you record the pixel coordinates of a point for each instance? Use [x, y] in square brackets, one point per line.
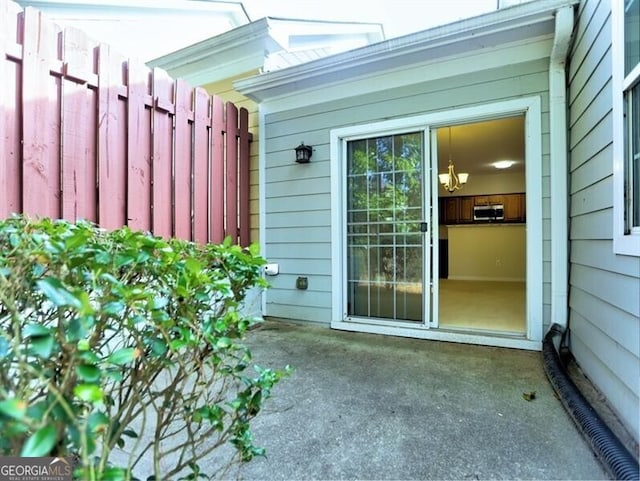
[239, 50]
[529, 20]
[250, 36]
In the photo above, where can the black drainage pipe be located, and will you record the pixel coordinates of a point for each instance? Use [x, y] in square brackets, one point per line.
[616, 458]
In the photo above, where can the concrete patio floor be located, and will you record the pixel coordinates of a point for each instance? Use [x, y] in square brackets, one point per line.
[362, 406]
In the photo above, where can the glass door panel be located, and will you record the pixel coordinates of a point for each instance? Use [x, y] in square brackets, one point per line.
[385, 213]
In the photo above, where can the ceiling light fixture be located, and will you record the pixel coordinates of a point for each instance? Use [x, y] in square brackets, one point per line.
[503, 164]
[452, 181]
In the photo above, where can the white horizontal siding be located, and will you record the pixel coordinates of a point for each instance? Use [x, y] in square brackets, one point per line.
[590, 173]
[595, 197]
[604, 311]
[611, 287]
[619, 329]
[623, 400]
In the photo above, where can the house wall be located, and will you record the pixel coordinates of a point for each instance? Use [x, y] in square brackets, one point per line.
[298, 197]
[604, 316]
[224, 89]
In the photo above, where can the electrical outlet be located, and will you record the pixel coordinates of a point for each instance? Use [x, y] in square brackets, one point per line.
[302, 283]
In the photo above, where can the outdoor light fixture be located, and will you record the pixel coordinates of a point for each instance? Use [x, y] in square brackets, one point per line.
[303, 153]
[452, 181]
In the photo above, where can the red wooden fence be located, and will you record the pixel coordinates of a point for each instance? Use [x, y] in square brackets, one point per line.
[87, 134]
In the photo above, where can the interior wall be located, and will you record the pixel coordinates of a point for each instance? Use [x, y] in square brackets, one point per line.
[487, 252]
[499, 183]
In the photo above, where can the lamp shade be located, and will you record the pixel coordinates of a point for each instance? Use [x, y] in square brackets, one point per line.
[303, 153]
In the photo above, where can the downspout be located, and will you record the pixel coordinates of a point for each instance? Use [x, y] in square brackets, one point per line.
[559, 166]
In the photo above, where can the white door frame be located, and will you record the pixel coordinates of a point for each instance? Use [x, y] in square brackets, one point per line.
[531, 108]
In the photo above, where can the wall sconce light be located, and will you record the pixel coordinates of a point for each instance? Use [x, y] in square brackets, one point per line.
[303, 153]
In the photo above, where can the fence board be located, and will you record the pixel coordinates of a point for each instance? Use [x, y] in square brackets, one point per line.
[112, 167]
[231, 179]
[182, 175]
[85, 133]
[138, 155]
[79, 193]
[243, 177]
[10, 189]
[162, 154]
[216, 209]
[41, 117]
[200, 166]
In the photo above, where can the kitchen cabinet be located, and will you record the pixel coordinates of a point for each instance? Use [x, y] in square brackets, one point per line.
[466, 210]
[514, 208]
[459, 209]
[451, 210]
[488, 199]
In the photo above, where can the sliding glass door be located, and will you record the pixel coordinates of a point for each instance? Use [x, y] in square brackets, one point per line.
[386, 230]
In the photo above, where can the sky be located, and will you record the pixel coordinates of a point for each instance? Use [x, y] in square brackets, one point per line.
[399, 17]
[146, 38]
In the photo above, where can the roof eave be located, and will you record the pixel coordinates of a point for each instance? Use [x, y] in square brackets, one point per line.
[528, 19]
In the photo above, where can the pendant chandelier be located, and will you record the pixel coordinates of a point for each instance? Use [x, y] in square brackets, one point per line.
[452, 181]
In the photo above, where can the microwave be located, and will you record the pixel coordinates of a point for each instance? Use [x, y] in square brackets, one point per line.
[488, 213]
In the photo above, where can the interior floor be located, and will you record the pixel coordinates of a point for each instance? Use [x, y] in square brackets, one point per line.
[483, 305]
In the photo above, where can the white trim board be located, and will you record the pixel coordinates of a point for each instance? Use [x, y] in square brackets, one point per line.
[531, 107]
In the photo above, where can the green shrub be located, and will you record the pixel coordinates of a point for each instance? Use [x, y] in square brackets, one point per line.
[123, 346]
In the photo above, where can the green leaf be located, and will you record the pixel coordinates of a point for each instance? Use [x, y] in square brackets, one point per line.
[38, 410]
[89, 357]
[114, 375]
[88, 373]
[13, 408]
[97, 420]
[193, 265]
[40, 443]
[130, 433]
[123, 356]
[114, 474]
[42, 346]
[158, 346]
[59, 295]
[35, 330]
[88, 392]
[113, 308]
